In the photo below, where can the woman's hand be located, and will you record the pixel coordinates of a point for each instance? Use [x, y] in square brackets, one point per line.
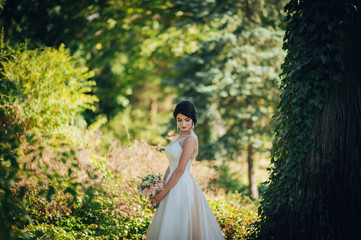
[155, 200]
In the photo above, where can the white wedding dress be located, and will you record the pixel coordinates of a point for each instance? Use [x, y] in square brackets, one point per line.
[184, 213]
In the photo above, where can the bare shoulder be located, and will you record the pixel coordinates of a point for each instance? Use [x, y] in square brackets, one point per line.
[191, 140]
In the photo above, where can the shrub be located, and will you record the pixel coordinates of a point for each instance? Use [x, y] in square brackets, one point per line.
[45, 89]
[42, 92]
[109, 206]
[235, 213]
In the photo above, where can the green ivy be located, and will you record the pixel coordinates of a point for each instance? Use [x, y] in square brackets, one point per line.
[314, 64]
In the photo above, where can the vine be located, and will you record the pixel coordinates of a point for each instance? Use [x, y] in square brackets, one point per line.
[313, 67]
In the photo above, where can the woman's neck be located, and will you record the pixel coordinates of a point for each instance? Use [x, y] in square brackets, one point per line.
[185, 133]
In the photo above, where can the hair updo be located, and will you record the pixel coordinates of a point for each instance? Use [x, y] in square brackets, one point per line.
[186, 108]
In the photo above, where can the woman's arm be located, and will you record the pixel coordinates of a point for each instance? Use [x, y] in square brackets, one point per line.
[165, 177]
[166, 174]
[189, 145]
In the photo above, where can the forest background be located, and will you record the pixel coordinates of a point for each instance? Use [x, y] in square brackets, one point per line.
[87, 92]
[86, 82]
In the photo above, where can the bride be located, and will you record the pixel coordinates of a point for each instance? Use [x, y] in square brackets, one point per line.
[183, 212]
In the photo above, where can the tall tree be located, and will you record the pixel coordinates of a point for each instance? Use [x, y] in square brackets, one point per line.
[315, 184]
[106, 35]
[129, 45]
[232, 77]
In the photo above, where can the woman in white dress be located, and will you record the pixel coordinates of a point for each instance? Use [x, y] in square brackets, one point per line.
[183, 212]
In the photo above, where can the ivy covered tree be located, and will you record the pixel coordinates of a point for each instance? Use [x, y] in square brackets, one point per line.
[232, 78]
[315, 184]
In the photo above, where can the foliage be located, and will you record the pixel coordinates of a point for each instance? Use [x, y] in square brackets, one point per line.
[2, 2]
[313, 66]
[41, 94]
[122, 41]
[104, 204]
[98, 217]
[234, 214]
[11, 133]
[129, 45]
[44, 89]
[110, 206]
[227, 180]
[11, 212]
[133, 123]
[232, 77]
[229, 49]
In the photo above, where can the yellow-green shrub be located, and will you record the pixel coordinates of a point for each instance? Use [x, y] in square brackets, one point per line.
[42, 91]
[45, 89]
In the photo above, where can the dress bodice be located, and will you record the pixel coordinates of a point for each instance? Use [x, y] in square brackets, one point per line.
[174, 151]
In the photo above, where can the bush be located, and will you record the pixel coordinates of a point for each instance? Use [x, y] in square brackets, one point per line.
[101, 220]
[45, 89]
[109, 206]
[42, 92]
[235, 213]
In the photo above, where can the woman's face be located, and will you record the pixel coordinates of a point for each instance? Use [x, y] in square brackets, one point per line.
[184, 122]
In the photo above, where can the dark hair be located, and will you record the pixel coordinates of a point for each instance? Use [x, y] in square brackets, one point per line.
[186, 108]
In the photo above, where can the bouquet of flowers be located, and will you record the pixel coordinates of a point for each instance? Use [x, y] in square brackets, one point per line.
[150, 185]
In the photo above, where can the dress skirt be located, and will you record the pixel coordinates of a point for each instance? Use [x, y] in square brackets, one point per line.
[183, 214]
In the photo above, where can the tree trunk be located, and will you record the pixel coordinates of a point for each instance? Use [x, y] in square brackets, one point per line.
[253, 190]
[315, 188]
[332, 176]
[251, 173]
[153, 111]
